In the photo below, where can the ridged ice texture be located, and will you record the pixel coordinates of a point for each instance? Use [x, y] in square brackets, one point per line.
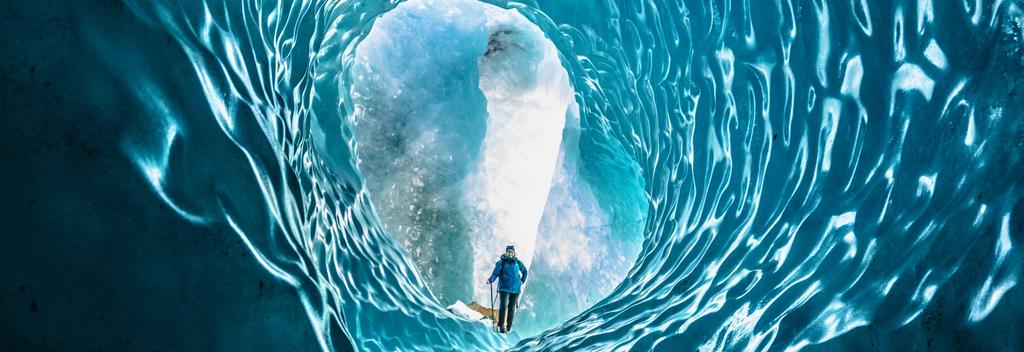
[810, 167]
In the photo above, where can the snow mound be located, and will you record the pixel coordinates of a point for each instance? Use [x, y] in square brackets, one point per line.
[462, 310]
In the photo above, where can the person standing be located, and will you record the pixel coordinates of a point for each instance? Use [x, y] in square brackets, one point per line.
[511, 275]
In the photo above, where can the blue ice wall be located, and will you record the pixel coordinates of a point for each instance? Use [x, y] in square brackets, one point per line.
[813, 175]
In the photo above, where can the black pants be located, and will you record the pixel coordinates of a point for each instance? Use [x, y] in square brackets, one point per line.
[506, 300]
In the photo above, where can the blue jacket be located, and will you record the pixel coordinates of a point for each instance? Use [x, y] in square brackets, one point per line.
[511, 274]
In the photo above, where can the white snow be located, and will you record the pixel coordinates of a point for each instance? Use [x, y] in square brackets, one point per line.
[462, 310]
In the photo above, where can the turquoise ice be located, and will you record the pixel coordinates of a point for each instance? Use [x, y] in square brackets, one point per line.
[737, 175]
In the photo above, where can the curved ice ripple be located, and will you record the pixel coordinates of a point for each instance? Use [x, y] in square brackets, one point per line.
[811, 167]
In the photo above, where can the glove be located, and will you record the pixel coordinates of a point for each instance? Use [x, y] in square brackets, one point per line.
[489, 281]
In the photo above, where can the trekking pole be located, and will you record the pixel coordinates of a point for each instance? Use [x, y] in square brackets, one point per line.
[494, 319]
[522, 293]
